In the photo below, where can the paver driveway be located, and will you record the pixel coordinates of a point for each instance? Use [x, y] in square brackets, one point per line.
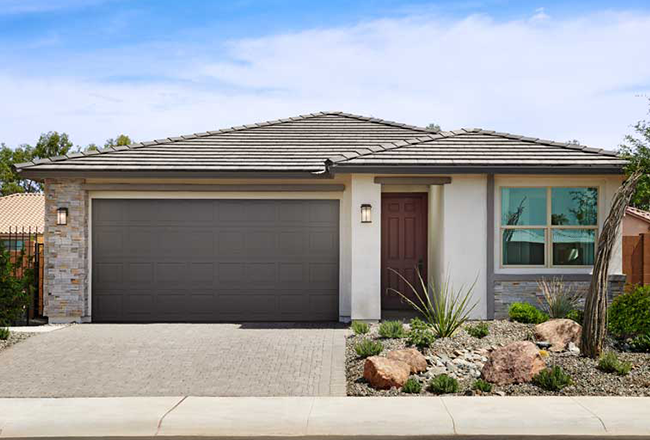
[98, 360]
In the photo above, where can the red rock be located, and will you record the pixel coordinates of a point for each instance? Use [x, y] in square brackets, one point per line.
[383, 373]
[515, 363]
[559, 332]
[412, 357]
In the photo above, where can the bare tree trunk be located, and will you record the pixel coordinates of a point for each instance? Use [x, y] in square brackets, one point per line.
[594, 325]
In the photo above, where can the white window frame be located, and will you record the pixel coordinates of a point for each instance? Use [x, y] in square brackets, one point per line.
[548, 228]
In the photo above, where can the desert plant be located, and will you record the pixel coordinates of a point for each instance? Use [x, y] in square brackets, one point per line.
[629, 314]
[412, 386]
[4, 333]
[526, 313]
[443, 384]
[559, 297]
[640, 344]
[482, 386]
[367, 348]
[360, 328]
[445, 310]
[418, 324]
[552, 379]
[609, 363]
[391, 330]
[479, 330]
[576, 315]
[421, 338]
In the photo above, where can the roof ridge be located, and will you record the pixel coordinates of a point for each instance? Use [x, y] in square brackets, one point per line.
[169, 140]
[20, 195]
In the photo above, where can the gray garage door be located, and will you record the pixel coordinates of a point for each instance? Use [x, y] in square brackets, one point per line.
[215, 260]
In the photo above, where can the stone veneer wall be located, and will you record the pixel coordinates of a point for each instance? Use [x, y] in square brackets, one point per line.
[508, 292]
[65, 252]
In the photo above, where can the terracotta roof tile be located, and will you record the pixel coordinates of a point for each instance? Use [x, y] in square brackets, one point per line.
[19, 211]
[638, 213]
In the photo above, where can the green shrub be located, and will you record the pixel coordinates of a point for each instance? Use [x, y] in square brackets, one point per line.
[526, 313]
[4, 333]
[412, 386]
[391, 330]
[560, 298]
[552, 379]
[15, 293]
[444, 309]
[629, 314]
[641, 343]
[479, 330]
[368, 348]
[418, 324]
[443, 384]
[609, 363]
[360, 328]
[482, 386]
[421, 338]
[576, 315]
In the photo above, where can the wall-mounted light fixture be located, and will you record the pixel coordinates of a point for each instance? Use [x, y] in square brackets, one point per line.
[62, 216]
[366, 213]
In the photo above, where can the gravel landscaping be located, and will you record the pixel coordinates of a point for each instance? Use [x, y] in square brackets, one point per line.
[14, 338]
[463, 357]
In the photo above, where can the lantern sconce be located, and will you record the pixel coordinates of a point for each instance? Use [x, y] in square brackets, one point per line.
[62, 216]
[366, 213]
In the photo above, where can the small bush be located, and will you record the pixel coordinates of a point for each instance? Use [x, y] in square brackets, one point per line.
[629, 314]
[560, 298]
[479, 330]
[360, 328]
[641, 344]
[418, 324]
[552, 379]
[482, 386]
[609, 363]
[421, 338]
[526, 313]
[443, 384]
[391, 330]
[4, 333]
[412, 386]
[367, 348]
[576, 315]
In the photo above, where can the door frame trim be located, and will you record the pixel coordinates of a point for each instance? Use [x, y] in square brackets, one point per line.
[425, 226]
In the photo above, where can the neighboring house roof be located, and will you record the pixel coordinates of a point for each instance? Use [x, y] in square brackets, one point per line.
[22, 211]
[329, 141]
[638, 213]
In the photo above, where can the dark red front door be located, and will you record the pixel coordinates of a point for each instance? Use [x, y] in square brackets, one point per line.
[403, 245]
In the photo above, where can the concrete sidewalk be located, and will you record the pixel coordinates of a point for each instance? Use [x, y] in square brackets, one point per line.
[220, 417]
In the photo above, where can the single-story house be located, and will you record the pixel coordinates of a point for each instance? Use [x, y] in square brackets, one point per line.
[303, 218]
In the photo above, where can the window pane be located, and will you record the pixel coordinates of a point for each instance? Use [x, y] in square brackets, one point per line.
[523, 206]
[574, 206]
[523, 247]
[573, 247]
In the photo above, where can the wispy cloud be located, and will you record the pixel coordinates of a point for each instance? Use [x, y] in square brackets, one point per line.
[554, 78]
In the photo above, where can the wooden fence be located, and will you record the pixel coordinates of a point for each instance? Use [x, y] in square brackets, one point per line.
[636, 259]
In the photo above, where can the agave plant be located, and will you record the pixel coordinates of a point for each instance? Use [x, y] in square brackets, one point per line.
[443, 308]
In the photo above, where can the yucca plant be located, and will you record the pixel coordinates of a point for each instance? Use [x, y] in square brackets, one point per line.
[445, 310]
[560, 298]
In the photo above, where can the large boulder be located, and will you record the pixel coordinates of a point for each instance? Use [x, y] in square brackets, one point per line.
[559, 332]
[412, 357]
[384, 373]
[515, 363]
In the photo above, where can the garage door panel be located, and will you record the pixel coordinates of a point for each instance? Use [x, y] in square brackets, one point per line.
[215, 260]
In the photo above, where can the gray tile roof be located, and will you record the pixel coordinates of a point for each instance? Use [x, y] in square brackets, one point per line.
[311, 143]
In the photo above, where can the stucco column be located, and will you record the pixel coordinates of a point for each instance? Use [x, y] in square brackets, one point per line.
[365, 249]
[65, 292]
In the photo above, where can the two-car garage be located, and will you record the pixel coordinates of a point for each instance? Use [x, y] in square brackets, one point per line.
[214, 260]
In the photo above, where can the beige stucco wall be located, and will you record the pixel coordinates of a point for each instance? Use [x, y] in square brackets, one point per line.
[633, 226]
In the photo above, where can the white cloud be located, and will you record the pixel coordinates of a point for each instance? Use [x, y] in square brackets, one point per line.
[560, 79]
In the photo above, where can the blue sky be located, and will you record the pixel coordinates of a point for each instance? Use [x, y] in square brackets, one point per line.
[152, 69]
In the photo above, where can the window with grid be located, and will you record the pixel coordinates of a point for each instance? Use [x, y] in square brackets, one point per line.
[548, 226]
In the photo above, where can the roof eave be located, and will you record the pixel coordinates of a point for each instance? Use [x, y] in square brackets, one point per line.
[40, 175]
[460, 169]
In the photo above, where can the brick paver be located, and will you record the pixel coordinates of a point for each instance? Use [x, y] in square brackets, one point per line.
[99, 360]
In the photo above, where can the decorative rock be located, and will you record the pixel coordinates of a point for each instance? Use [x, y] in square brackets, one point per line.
[543, 344]
[515, 363]
[383, 373]
[411, 356]
[559, 332]
[573, 348]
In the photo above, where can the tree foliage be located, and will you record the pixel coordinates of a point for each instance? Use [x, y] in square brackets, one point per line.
[119, 141]
[636, 149]
[433, 126]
